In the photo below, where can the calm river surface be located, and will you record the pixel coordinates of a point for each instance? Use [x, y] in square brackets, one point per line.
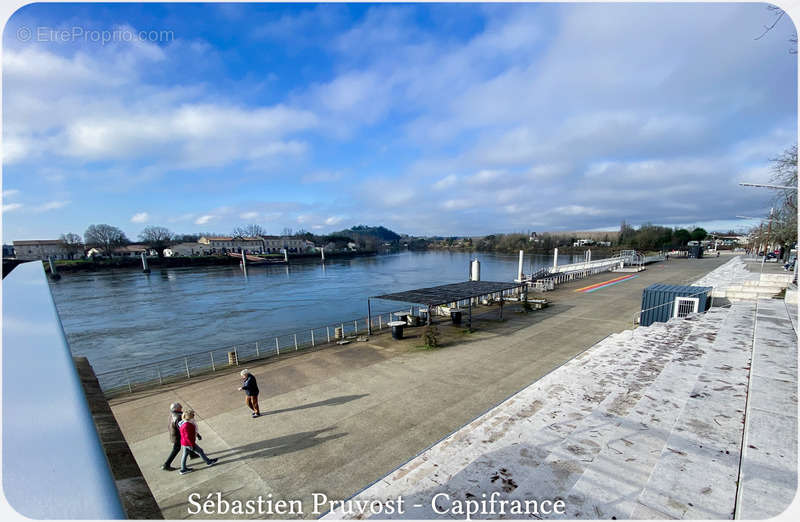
[121, 318]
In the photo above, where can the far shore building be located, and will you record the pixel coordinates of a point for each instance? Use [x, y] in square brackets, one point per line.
[133, 251]
[187, 249]
[254, 245]
[33, 249]
[224, 244]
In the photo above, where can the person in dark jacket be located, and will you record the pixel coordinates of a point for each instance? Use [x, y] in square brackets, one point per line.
[176, 411]
[250, 387]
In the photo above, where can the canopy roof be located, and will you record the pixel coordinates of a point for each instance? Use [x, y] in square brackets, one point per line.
[439, 295]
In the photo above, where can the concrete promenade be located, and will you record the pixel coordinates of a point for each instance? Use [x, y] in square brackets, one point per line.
[690, 419]
[340, 418]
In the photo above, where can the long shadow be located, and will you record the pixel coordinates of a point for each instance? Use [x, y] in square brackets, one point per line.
[335, 401]
[275, 447]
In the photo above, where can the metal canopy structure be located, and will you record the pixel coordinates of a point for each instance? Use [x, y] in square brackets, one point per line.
[443, 294]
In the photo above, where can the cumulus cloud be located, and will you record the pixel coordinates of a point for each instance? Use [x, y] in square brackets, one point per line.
[87, 117]
[51, 205]
[140, 217]
[202, 220]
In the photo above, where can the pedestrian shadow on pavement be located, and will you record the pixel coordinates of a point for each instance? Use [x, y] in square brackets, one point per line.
[335, 401]
[277, 446]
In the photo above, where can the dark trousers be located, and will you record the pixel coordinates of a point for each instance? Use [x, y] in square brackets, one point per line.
[176, 447]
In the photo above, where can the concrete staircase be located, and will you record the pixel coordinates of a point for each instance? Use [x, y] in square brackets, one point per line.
[768, 285]
[645, 424]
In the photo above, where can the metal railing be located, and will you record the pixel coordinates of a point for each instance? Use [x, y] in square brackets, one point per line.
[205, 362]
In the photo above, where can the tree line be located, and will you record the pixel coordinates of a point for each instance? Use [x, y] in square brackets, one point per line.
[106, 238]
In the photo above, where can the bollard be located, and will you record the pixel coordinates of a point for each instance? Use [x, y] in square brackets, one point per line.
[312, 338]
[277, 346]
[380, 322]
[295, 342]
[213, 368]
[54, 275]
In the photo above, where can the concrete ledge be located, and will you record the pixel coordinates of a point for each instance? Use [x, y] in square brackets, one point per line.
[137, 499]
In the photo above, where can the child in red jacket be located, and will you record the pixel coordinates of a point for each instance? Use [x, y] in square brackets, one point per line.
[188, 430]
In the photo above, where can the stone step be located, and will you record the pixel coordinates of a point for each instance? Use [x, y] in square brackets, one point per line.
[636, 440]
[697, 470]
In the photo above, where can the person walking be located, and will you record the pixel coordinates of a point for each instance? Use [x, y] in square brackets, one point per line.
[175, 413]
[250, 387]
[188, 430]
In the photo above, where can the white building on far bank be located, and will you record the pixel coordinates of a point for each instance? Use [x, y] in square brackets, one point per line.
[41, 249]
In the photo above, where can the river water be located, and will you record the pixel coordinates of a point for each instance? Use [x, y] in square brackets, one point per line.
[122, 318]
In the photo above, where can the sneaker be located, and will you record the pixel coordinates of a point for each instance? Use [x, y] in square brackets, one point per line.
[167, 468]
[211, 462]
[185, 471]
[254, 415]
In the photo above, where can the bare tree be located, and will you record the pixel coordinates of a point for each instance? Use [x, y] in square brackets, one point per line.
[73, 243]
[104, 237]
[157, 238]
[784, 217]
[251, 230]
[779, 13]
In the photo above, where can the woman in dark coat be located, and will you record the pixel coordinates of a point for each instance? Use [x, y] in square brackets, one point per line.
[250, 388]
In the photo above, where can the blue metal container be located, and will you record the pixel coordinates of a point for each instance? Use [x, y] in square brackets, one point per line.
[661, 302]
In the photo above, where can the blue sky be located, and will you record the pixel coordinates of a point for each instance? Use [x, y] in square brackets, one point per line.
[429, 119]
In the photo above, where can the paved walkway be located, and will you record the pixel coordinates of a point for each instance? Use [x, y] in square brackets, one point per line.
[341, 418]
[646, 424]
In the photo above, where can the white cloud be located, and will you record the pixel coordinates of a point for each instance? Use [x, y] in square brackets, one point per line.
[10, 193]
[446, 182]
[51, 205]
[333, 220]
[202, 220]
[87, 117]
[140, 217]
[249, 215]
[11, 207]
[484, 177]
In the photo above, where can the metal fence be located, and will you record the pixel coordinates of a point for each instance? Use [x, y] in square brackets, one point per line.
[209, 361]
[190, 365]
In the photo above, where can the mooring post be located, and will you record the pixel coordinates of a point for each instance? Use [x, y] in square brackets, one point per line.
[53, 272]
[322, 251]
[145, 268]
[277, 346]
[519, 269]
[285, 255]
[555, 258]
[369, 319]
[295, 342]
